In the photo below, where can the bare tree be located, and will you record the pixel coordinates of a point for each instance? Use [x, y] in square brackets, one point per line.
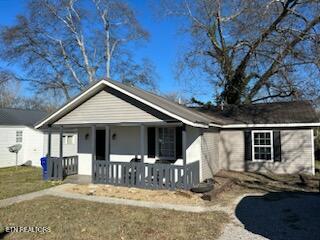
[64, 45]
[11, 97]
[251, 50]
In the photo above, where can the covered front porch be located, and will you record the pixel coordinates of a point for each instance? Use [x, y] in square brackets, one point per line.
[144, 155]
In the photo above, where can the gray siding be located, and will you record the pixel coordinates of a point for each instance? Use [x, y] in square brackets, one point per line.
[231, 150]
[209, 164]
[106, 108]
[296, 152]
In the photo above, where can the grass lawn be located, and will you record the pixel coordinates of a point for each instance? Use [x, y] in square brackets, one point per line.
[78, 219]
[22, 180]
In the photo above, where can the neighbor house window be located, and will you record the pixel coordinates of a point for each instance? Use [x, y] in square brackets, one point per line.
[167, 142]
[262, 146]
[68, 139]
[19, 136]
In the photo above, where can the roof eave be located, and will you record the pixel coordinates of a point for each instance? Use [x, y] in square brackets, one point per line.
[273, 125]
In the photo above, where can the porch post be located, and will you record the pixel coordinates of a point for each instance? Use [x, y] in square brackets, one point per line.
[49, 142]
[61, 142]
[107, 143]
[142, 127]
[184, 157]
[93, 152]
[93, 142]
[184, 147]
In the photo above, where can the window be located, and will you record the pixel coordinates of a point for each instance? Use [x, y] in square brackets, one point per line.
[19, 136]
[68, 139]
[167, 143]
[262, 146]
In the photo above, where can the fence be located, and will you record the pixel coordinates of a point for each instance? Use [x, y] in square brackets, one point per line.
[58, 168]
[145, 175]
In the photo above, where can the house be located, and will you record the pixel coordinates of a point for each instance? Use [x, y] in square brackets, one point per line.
[127, 136]
[16, 127]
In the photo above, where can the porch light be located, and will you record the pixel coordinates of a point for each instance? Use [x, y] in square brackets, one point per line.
[86, 136]
[114, 136]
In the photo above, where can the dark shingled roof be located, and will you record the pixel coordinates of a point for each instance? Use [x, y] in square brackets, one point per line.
[264, 113]
[166, 104]
[268, 113]
[12, 116]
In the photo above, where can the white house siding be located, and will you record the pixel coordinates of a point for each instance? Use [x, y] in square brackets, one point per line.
[209, 163]
[7, 139]
[68, 149]
[296, 152]
[33, 146]
[106, 108]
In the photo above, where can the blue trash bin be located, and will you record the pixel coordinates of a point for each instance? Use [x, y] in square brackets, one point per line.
[43, 161]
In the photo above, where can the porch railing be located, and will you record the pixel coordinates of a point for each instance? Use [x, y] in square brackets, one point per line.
[58, 168]
[146, 175]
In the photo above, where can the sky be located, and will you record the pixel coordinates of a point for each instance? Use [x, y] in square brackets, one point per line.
[162, 48]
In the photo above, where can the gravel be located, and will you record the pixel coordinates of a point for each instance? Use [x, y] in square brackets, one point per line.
[278, 215]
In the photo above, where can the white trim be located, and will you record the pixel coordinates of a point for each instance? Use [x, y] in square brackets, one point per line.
[267, 125]
[253, 145]
[313, 164]
[126, 93]
[65, 138]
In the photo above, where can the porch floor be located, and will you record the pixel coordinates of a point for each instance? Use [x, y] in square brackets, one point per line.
[78, 179]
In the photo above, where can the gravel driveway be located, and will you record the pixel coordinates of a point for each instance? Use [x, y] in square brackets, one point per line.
[283, 215]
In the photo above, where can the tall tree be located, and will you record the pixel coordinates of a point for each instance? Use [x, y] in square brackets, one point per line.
[252, 50]
[64, 45]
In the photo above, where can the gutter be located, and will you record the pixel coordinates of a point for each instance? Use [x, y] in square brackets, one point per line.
[275, 125]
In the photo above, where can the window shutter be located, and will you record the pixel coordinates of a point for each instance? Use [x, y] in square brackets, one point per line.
[179, 142]
[151, 142]
[247, 146]
[276, 146]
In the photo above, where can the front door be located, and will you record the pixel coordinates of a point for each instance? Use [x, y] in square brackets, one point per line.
[101, 145]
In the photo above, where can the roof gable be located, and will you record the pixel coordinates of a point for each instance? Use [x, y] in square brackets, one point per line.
[106, 107]
[153, 101]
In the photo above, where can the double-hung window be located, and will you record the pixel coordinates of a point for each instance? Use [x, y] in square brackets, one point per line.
[166, 142]
[68, 139]
[19, 136]
[262, 145]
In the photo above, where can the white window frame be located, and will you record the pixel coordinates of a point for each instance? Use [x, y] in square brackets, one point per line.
[158, 143]
[65, 139]
[19, 131]
[253, 145]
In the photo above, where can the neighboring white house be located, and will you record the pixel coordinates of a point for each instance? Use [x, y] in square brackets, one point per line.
[16, 127]
[118, 124]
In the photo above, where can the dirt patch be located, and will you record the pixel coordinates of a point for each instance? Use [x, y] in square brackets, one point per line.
[165, 196]
[231, 184]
